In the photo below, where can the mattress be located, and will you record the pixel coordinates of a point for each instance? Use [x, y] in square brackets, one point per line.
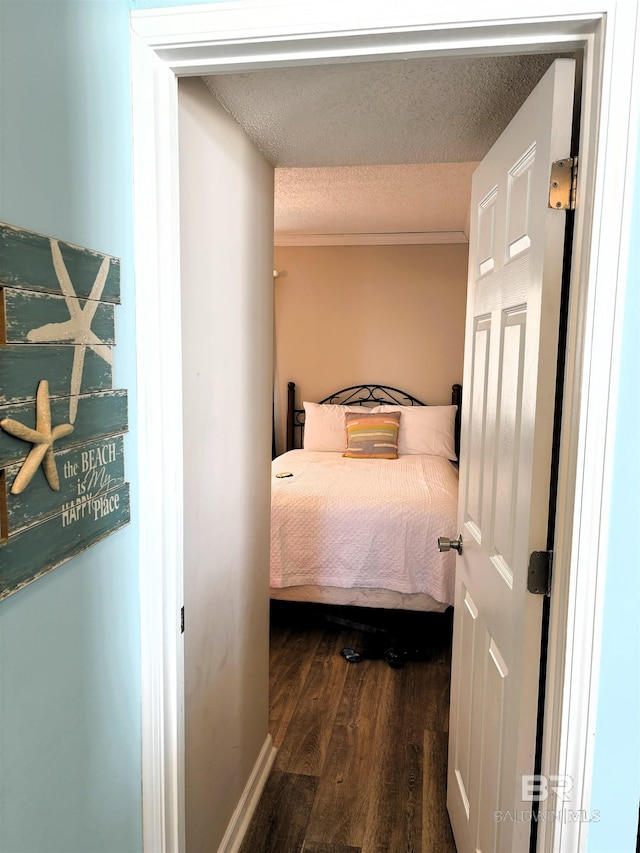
[363, 524]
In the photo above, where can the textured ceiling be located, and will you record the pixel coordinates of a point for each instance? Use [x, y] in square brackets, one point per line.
[311, 122]
[429, 197]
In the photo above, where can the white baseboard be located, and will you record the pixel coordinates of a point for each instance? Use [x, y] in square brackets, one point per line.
[249, 799]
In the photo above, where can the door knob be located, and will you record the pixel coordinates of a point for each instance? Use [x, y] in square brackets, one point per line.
[445, 544]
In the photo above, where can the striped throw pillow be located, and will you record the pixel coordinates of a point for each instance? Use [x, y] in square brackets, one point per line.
[372, 436]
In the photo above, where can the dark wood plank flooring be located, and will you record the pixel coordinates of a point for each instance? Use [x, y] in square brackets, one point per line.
[362, 747]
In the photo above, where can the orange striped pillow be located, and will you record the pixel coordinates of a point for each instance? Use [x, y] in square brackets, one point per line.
[372, 436]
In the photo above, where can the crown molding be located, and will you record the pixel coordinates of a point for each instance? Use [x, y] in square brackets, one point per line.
[401, 238]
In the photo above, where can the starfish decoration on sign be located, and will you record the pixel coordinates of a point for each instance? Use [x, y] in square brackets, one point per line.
[77, 329]
[42, 438]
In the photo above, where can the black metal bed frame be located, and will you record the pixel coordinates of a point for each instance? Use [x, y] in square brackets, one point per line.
[362, 395]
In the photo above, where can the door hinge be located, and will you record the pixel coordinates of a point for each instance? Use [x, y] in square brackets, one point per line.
[182, 619]
[563, 183]
[539, 574]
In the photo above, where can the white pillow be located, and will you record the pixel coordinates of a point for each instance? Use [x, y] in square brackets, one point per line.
[425, 429]
[325, 427]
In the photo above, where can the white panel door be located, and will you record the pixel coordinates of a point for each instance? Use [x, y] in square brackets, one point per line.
[515, 271]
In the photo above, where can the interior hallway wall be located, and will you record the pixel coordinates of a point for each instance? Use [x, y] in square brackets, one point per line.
[226, 206]
[70, 730]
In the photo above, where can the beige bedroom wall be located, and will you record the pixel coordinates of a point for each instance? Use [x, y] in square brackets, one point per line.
[347, 315]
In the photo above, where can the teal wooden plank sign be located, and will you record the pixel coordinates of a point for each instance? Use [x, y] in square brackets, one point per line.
[62, 472]
[98, 415]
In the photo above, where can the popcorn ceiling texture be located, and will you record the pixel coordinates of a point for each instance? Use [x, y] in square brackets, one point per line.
[378, 146]
[448, 110]
[373, 199]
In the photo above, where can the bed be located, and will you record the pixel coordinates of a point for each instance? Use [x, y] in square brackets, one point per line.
[353, 529]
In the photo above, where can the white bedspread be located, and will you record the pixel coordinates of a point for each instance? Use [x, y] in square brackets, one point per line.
[363, 522]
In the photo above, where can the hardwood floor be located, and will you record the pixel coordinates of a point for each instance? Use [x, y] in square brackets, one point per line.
[362, 747]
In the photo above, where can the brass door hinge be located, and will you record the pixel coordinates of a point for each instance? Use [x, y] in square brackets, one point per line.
[563, 183]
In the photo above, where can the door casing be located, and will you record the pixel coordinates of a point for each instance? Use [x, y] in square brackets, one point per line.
[239, 36]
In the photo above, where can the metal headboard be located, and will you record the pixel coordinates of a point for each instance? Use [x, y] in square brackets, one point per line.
[361, 395]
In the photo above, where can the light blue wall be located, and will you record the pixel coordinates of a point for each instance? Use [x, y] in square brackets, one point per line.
[69, 643]
[616, 786]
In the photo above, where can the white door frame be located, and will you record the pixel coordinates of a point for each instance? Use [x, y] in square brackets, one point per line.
[232, 36]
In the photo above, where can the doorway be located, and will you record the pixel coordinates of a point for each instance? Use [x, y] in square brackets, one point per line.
[155, 68]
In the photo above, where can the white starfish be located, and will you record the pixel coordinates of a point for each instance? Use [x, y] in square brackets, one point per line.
[77, 329]
[42, 438]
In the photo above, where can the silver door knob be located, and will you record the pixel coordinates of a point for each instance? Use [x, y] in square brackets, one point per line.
[445, 544]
